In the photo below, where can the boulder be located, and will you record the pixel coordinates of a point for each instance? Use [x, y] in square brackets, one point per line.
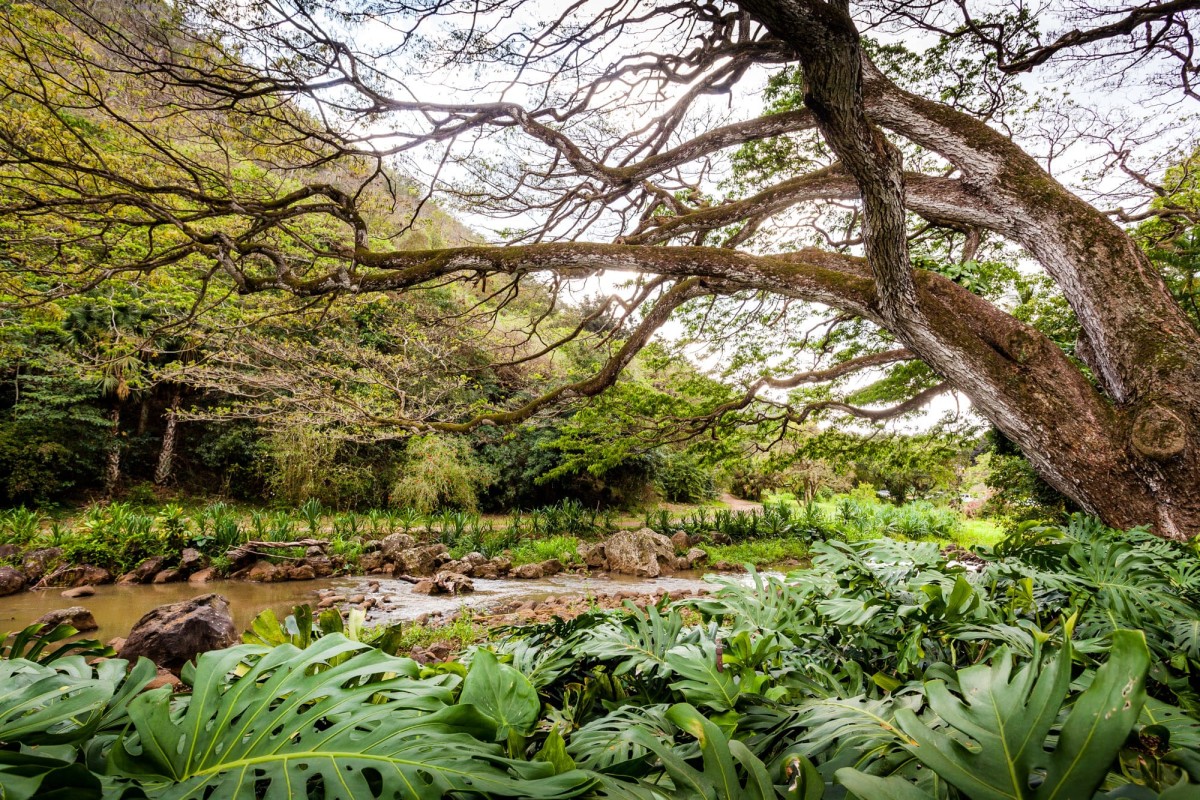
[191, 560]
[502, 565]
[303, 572]
[643, 553]
[11, 581]
[454, 582]
[321, 566]
[203, 576]
[145, 571]
[422, 560]
[168, 576]
[79, 591]
[37, 563]
[8, 551]
[172, 635]
[681, 542]
[392, 546]
[593, 555]
[486, 571]
[368, 562]
[78, 576]
[264, 572]
[163, 677]
[77, 617]
[695, 557]
[528, 571]
[475, 558]
[425, 586]
[551, 566]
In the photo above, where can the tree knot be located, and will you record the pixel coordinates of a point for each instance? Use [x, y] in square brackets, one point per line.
[1159, 433]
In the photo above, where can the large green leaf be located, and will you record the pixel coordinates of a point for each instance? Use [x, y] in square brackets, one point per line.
[719, 777]
[503, 693]
[51, 704]
[1008, 718]
[24, 777]
[338, 720]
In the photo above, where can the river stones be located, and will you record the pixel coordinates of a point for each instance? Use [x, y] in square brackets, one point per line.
[191, 560]
[11, 581]
[551, 566]
[422, 560]
[168, 576]
[593, 555]
[203, 576]
[681, 541]
[392, 546]
[695, 557]
[37, 563]
[173, 634]
[77, 617]
[79, 591]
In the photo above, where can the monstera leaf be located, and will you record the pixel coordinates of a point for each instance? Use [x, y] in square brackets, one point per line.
[338, 720]
[718, 777]
[1009, 716]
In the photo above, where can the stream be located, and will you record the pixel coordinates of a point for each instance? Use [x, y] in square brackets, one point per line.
[118, 608]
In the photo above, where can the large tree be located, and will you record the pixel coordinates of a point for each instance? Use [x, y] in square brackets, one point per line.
[596, 130]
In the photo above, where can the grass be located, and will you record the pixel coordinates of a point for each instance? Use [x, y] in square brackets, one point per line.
[564, 548]
[758, 552]
[460, 633]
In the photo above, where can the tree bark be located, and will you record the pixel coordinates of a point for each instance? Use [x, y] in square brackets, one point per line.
[112, 463]
[1136, 460]
[166, 455]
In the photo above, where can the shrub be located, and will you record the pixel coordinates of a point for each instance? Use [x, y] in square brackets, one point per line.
[440, 472]
[682, 478]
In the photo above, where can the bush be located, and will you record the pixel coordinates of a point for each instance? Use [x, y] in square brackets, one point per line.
[440, 472]
[682, 478]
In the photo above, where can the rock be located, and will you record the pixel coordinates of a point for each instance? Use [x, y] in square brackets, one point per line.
[116, 643]
[593, 555]
[679, 563]
[8, 551]
[425, 586]
[681, 541]
[475, 558]
[643, 553]
[528, 571]
[725, 566]
[145, 571]
[502, 565]
[422, 560]
[79, 591]
[37, 563]
[330, 600]
[11, 581]
[203, 576]
[172, 635]
[392, 546]
[191, 560]
[164, 677]
[77, 617]
[551, 566]
[314, 551]
[461, 567]
[168, 576]
[368, 562]
[303, 572]
[486, 571]
[695, 557]
[78, 576]
[264, 572]
[455, 582]
[321, 566]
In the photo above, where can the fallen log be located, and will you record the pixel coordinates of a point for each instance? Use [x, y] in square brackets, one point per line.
[245, 550]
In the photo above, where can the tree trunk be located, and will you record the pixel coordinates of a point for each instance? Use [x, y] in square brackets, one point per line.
[166, 455]
[112, 465]
[1128, 452]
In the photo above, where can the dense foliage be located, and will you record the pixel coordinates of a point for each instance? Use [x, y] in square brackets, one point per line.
[1063, 668]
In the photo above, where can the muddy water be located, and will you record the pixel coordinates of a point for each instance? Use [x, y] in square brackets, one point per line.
[117, 608]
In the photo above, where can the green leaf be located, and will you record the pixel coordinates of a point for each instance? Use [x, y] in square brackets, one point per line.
[24, 776]
[554, 752]
[268, 722]
[702, 679]
[873, 787]
[503, 693]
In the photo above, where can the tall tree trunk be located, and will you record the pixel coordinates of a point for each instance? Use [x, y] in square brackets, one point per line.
[1129, 452]
[112, 465]
[166, 455]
